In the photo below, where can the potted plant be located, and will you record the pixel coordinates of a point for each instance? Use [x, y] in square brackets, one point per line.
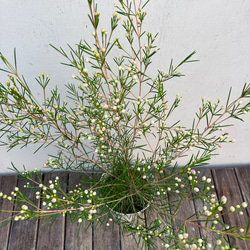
[115, 133]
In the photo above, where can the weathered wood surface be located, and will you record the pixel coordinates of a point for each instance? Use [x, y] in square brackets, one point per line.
[127, 240]
[226, 184]
[7, 185]
[51, 236]
[24, 230]
[64, 235]
[199, 207]
[75, 237]
[243, 177]
[151, 215]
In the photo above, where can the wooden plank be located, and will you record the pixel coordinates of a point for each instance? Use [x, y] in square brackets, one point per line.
[23, 233]
[185, 210]
[243, 175]
[51, 236]
[226, 184]
[7, 185]
[106, 237]
[206, 235]
[151, 215]
[128, 242]
[76, 238]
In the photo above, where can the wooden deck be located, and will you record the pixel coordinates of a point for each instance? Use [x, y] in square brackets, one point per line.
[62, 235]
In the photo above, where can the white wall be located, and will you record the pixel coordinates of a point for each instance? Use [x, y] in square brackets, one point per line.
[217, 29]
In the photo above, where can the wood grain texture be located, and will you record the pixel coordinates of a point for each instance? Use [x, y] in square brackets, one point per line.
[243, 176]
[51, 236]
[7, 185]
[106, 237]
[77, 238]
[186, 209]
[24, 230]
[128, 242]
[226, 184]
[206, 235]
[151, 215]
[233, 183]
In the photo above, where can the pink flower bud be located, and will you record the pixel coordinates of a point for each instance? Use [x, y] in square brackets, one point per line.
[232, 209]
[207, 213]
[223, 199]
[244, 204]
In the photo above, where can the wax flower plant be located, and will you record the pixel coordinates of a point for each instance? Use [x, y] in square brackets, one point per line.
[114, 132]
